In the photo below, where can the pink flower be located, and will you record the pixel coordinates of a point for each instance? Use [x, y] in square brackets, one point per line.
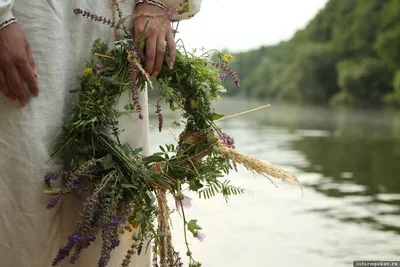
[173, 14]
[200, 236]
[182, 200]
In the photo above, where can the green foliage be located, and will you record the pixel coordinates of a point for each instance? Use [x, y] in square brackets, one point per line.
[365, 79]
[310, 76]
[347, 54]
[220, 187]
[393, 98]
[388, 47]
[342, 98]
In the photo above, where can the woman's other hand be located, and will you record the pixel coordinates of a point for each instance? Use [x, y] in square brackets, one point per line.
[16, 65]
[158, 32]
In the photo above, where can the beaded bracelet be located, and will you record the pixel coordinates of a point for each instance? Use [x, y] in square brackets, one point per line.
[154, 3]
[7, 22]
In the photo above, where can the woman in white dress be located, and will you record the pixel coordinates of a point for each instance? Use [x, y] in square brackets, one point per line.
[59, 43]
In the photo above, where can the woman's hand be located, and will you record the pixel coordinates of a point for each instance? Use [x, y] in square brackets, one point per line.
[157, 32]
[16, 62]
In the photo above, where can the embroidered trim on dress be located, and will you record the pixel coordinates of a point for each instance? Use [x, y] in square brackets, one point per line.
[154, 3]
[7, 22]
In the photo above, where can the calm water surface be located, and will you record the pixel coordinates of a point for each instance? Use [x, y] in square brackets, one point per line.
[348, 162]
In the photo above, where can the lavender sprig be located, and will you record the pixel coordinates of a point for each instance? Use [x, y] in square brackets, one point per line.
[135, 94]
[94, 17]
[136, 51]
[129, 254]
[228, 70]
[160, 117]
[227, 140]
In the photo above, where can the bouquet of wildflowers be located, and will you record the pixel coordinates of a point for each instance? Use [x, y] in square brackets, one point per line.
[126, 190]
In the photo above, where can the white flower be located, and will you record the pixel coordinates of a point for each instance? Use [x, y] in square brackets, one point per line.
[200, 236]
[182, 200]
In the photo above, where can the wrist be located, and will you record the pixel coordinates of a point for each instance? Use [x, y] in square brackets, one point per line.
[6, 16]
[7, 21]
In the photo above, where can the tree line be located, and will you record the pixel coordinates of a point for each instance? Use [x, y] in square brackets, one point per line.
[349, 53]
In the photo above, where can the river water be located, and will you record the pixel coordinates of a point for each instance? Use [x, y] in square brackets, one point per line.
[348, 162]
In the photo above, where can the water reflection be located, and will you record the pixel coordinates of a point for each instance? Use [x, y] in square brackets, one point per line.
[357, 153]
[349, 164]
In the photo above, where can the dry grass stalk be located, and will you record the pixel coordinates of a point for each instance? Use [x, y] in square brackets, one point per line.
[250, 163]
[258, 166]
[165, 247]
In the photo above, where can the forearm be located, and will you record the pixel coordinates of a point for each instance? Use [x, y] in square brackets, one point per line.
[6, 16]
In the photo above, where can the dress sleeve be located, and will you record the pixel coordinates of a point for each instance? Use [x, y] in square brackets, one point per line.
[186, 8]
[6, 15]
[5, 9]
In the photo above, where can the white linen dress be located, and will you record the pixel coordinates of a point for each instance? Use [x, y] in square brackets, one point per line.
[31, 235]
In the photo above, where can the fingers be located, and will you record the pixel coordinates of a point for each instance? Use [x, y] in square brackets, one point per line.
[17, 65]
[16, 83]
[151, 46]
[4, 88]
[158, 31]
[26, 69]
[159, 56]
[31, 60]
[172, 49]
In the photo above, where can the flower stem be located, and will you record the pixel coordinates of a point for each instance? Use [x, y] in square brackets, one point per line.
[189, 252]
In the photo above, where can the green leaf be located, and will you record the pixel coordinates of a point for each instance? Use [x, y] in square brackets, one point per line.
[195, 185]
[151, 197]
[108, 162]
[52, 191]
[216, 116]
[128, 186]
[126, 149]
[137, 151]
[153, 158]
[171, 106]
[193, 227]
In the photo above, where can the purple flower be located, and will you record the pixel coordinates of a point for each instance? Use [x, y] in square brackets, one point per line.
[76, 239]
[50, 176]
[227, 140]
[182, 200]
[62, 254]
[135, 94]
[116, 220]
[136, 52]
[222, 76]
[99, 65]
[53, 202]
[228, 70]
[102, 263]
[200, 236]
[160, 117]
[115, 243]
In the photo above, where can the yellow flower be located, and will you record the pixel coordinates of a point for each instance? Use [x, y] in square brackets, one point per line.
[135, 224]
[87, 71]
[228, 57]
